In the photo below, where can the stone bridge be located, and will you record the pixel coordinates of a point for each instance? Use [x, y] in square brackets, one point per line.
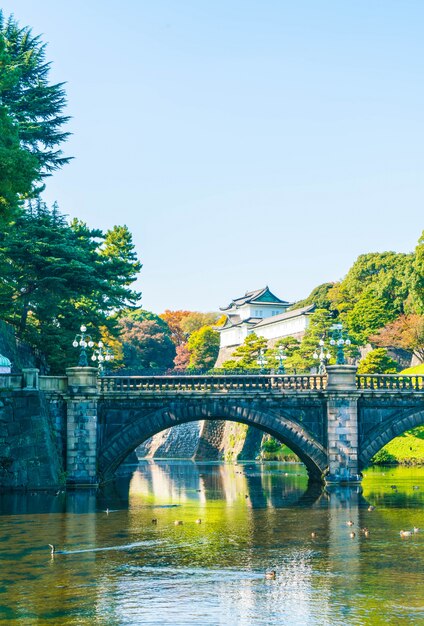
[335, 423]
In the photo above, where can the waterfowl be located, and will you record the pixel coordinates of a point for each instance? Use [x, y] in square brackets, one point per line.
[349, 523]
[53, 548]
[366, 532]
[154, 520]
[405, 533]
[352, 535]
[198, 521]
[415, 487]
[178, 522]
[271, 575]
[314, 535]
[371, 507]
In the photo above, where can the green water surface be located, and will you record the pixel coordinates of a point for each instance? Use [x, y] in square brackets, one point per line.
[118, 567]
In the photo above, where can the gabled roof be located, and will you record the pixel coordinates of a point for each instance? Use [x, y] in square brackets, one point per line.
[262, 296]
[306, 310]
[235, 320]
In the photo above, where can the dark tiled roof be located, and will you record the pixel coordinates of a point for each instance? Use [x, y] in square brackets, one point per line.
[252, 296]
[235, 320]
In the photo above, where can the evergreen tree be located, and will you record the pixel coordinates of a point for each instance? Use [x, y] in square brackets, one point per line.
[35, 106]
[290, 347]
[247, 354]
[18, 168]
[55, 276]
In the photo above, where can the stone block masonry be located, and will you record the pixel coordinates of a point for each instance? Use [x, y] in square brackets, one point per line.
[29, 456]
[334, 424]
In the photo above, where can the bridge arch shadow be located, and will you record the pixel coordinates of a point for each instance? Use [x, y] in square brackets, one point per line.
[385, 432]
[142, 426]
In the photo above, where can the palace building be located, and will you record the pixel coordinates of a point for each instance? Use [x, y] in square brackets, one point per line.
[262, 313]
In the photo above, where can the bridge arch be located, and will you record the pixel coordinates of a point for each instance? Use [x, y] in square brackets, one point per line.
[142, 427]
[387, 431]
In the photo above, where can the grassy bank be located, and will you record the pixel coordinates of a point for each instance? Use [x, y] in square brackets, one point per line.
[272, 450]
[408, 449]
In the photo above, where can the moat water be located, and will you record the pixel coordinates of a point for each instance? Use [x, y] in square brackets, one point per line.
[113, 565]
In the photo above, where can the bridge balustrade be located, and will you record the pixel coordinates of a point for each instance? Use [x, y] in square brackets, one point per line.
[390, 382]
[11, 381]
[262, 382]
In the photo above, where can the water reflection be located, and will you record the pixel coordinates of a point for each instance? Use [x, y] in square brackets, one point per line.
[117, 567]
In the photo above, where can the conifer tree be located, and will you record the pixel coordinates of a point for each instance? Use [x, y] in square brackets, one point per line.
[35, 105]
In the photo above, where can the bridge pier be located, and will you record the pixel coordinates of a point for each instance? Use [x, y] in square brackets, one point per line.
[342, 425]
[81, 441]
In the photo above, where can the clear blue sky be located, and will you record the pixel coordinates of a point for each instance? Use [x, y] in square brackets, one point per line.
[243, 142]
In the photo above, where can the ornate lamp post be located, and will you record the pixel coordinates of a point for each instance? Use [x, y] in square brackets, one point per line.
[281, 357]
[339, 339]
[323, 356]
[261, 361]
[102, 354]
[83, 340]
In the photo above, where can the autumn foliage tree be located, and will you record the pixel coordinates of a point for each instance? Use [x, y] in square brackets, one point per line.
[182, 358]
[406, 332]
[146, 344]
[196, 320]
[174, 320]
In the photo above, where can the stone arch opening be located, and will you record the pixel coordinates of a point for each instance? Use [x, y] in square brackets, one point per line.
[141, 427]
[387, 431]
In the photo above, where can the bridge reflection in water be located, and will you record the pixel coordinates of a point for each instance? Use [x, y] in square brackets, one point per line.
[118, 567]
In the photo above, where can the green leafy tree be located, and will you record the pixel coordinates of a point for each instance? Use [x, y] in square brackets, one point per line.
[318, 296]
[368, 314]
[378, 362]
[35, 105]
[140, 315]
[419, 275]
[247, 354]
[203, 347]
[374, 292]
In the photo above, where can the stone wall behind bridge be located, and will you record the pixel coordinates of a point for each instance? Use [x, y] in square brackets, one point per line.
[204, 441]
[31, 441]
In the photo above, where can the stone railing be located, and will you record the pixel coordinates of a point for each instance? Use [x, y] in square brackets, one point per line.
[390, 382]
[11, 381]
[30, 379]
[261, 382]
[53, 384]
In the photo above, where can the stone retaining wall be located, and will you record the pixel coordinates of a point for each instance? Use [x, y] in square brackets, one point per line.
[29, 457]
